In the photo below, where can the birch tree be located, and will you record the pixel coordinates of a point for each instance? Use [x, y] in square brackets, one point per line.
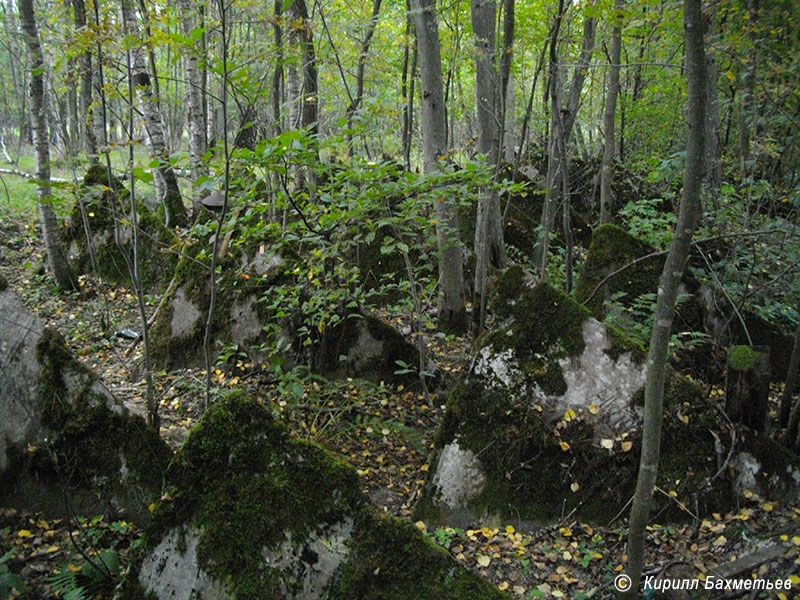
[168, 193]
[48, 223]
[195, 110]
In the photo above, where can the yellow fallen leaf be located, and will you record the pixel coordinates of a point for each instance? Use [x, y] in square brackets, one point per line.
[503, 586]
[510, 529]
[42, 524]
[24, 533]
[729, 75]
[720, 541]
[564, 446]
[767, 507]
[794, 579]
[483, 560]
[626, 446]
[52, 549]
[151, 507]
[519, 590]
[607, 443]
[574, 486]
[593, 408]
[565, 531]
[569, 415]
[421, 525]
[685, 419]
[796, 540]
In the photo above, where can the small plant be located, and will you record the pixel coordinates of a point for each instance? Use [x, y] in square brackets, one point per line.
[9, 582]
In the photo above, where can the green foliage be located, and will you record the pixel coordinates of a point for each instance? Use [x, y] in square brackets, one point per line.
[649, 222]
[636, 320]
[9, 582]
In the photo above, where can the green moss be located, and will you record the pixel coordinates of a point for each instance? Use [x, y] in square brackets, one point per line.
[100, 196]
[542, 325]
[743, 358]
[612, 248]
[111, 452]
[390, 560]
[244, 482]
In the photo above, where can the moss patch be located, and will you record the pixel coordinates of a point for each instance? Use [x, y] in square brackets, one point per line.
[742, 358]
[390, 560]
[109, 451]
[245, 483]
[612, 248]
[542, 325]
[529, 471]
[103, 207]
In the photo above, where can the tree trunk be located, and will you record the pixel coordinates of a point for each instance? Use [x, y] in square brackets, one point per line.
[407, 85]
[277, 74]
[452, 311]
[713, 178]
[561, 120]
[791, 380]
[489, 248]
[362, 63]
[668, 286]
[170, 197]
[194, 100]
[86, 126]
[609, 146]
[41, 150]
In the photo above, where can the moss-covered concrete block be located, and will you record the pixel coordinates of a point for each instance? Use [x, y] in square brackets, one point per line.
[249, 512]
[99, 234]
[611, 249]
[351, 342]
[548, 420]
[61, 430]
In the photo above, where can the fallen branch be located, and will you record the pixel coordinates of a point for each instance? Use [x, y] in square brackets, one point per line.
[26, 175]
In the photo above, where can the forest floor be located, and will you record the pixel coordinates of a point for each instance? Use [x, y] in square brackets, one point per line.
[386, 434]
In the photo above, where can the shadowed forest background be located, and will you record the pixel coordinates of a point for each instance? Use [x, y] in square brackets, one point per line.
[319, 299]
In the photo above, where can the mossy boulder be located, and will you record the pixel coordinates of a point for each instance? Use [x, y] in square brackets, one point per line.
[611, 249]
[263, 294]
[548, 420]
[62, 430]
[102, 214]
[250, 512]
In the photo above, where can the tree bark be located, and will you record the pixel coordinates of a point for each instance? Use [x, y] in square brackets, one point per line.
[791, 380]
[170, 195]
[452, 311]
[562, 118]
[86, 127]
[277, 74]
[489, 248]
[669, 282]
[609, 146]
[194, 100]
[41, 150]
[362, 63]
[713, 163]
[407, 85]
